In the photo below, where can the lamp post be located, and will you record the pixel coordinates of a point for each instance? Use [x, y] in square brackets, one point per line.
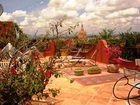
[1, 9]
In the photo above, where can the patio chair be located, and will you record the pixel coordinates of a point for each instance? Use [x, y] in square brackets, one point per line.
[77, 55]
[77, 59]
[129, 74]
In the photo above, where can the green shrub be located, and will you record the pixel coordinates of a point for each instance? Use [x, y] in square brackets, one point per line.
[78, 72]
[94, 70]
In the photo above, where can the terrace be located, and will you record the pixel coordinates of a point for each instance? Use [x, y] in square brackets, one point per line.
[88, 69]
[87, 88]
[85, 93]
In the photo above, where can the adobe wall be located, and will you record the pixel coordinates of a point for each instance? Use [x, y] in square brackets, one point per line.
[51, 50]
[102, 55]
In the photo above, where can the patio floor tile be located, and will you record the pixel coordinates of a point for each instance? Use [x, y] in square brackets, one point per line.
[77, 94]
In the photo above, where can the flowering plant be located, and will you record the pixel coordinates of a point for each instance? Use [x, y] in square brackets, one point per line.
[24, 77]
[114, 52]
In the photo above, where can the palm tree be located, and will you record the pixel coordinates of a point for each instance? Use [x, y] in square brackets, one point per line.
[106, 34]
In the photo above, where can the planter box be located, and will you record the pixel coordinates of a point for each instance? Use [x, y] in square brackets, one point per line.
[127, 63]
[79, 72]
[94, 70]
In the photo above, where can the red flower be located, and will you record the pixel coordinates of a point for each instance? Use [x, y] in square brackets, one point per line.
[13, 70]
[14, 61]
[52, 70]
[116, 61]
[114, 52]
[46, 82]
[108, 51]
[2, 73]
[0, 77]
[48, 74]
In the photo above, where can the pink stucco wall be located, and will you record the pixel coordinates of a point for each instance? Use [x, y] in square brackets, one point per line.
[51, 50]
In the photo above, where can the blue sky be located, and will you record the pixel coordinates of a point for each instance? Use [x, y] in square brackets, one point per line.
[25, 5]
[95, 15]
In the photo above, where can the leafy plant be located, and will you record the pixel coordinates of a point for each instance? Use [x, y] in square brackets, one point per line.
[42, 43]
[106, 34]
[8, 32]
[78, 72]
[114, 52]
[94, 40]
[24, 77]
[94, 69]
[22, 40]
[130, 40]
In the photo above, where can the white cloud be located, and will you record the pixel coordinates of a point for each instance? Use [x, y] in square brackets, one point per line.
[89, 16]
[51, 12]
[71, 4]
[13, 16]
[130, 12]
[19, 13]
[90, 6]
[124, 13]
[72, 14]
[113, 15]
[57, 3]
[94, 14]
[6, 17]
[116, 2]
[74, 4]
[25, 22]
[45, 13]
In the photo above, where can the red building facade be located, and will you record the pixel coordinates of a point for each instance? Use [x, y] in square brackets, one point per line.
[7, 29]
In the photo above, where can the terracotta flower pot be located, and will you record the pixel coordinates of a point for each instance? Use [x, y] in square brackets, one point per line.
[113, 68]
[64, 52]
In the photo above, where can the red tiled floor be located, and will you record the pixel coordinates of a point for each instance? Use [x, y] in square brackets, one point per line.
[77, 94]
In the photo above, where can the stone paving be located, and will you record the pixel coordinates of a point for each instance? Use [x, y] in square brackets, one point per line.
[77, 94]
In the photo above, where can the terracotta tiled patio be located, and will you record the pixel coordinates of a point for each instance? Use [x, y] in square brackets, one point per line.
[78, 94]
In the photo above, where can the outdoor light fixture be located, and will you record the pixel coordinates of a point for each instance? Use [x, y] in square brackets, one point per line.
[1, 9]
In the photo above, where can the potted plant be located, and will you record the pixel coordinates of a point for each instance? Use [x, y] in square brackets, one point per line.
[94, 70]
[113, 68]
[61, 47]
[79, 72]
[64, 52]
[114, 52]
